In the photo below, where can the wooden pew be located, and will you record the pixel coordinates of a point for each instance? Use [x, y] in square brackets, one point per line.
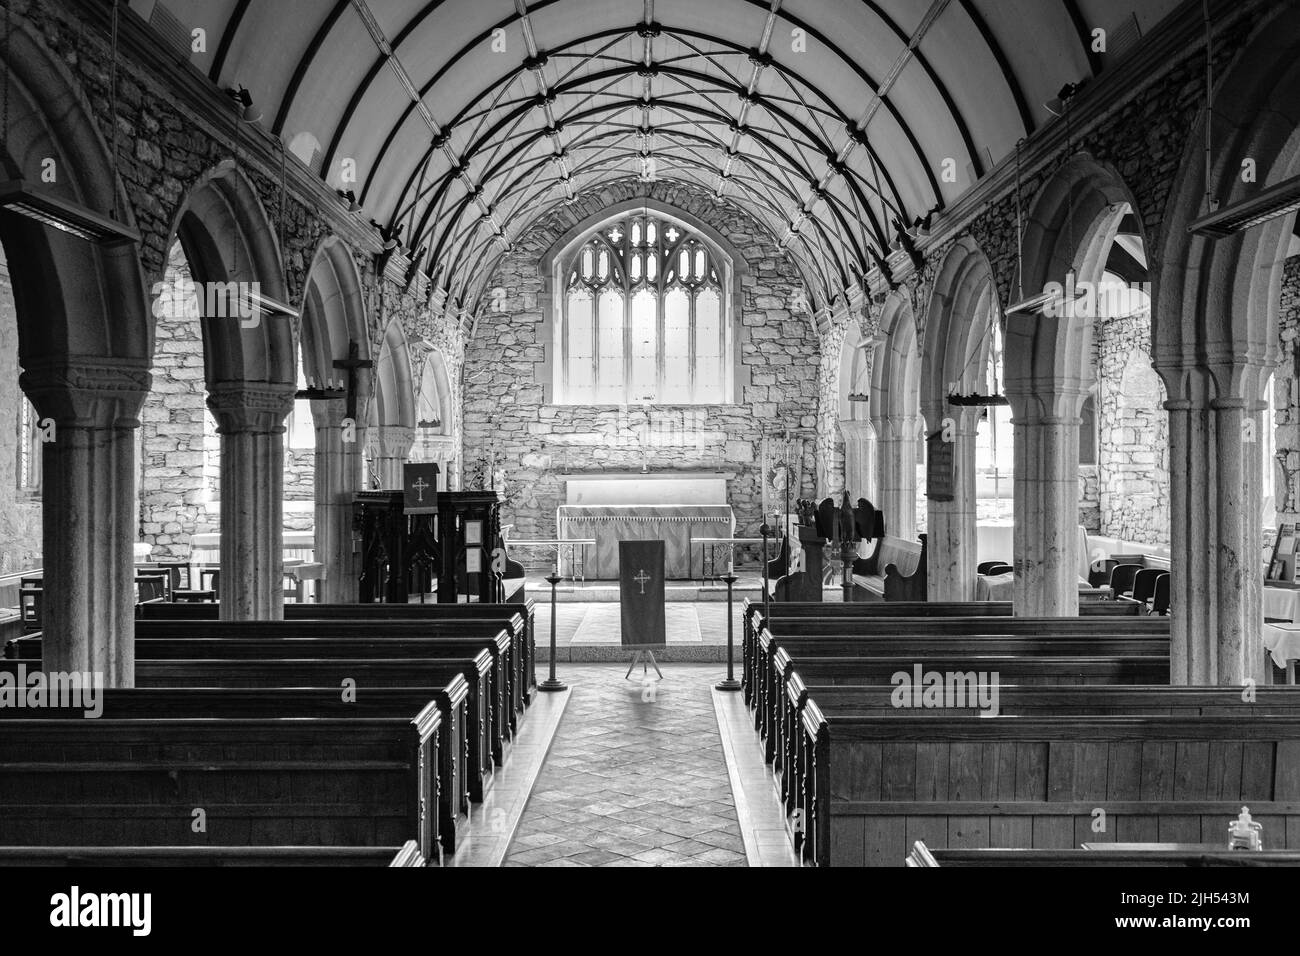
[876, 637]
[507, 643]
[259, 781]
[243, 703]
[503, 616]
[395, 638]
[351, 638]
[484, 746]
[880, 783]
[923, 648]
[923, 857]
[752, 614]
[224, 856]
[1010, 668]
[1013, 700]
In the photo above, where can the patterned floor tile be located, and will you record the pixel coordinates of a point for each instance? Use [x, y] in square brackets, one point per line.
[636, 776]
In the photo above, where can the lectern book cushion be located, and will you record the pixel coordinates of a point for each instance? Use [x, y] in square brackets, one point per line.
[641, 592]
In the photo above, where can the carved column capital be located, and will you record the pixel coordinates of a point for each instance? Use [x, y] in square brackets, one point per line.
[390, 441]
[258, 407]
[88, 391]
[854, 430]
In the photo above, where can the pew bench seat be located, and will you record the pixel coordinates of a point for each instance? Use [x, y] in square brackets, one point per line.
[208, 856]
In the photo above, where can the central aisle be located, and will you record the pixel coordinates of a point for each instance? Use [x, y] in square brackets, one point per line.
[635, 776]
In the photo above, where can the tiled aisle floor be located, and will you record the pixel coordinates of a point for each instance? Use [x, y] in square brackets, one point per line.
[635, 777]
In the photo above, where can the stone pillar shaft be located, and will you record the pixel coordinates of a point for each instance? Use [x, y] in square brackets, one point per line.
[951, 524]
[1046, 534]
[250, 421]
[1216, 594]
[896, 465]
[860, 449]
[338, 478]
[88, 407]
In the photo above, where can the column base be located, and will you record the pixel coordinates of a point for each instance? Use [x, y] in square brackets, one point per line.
[551, 685]
[729, 684]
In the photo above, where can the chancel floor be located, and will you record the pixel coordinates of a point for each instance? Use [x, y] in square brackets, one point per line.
[636, 775]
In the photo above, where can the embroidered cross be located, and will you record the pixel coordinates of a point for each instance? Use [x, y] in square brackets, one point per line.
[642, 578]
[419, 485]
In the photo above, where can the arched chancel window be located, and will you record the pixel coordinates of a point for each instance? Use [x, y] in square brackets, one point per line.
[645, 318]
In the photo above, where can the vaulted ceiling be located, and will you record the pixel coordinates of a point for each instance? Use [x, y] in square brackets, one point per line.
[825, 119]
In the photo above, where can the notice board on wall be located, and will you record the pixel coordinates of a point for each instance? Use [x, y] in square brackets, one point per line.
[940, 464]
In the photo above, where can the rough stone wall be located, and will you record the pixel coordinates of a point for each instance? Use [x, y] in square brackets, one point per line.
[1287, 424]
[1133, 446]
[535, 442]
[178, 486]
[20, 511]
[1090, 498]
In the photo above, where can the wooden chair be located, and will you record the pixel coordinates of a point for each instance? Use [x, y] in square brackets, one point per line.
[1121, 579]
[194, 596]
[985, 565]
[1160, 598]
[995, 568]
[210, 580]
[1144, 584]
[150, 587]
[29, 606]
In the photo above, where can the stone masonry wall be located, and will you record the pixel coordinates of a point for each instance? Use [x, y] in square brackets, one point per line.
[1133, 447]
[535, 442]
[178, 486]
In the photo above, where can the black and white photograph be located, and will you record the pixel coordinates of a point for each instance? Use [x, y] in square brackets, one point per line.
[640, 434]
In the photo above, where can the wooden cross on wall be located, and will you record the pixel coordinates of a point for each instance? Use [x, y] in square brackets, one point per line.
[352, 364]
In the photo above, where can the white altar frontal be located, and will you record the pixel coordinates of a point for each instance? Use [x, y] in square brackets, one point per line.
[671, 506]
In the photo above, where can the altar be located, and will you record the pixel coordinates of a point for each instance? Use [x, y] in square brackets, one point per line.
[671, 506]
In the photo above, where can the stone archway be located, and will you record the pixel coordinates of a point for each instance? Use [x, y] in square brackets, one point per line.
[1072, 226]
[249, 366]
[334, 317]
[392, 412]
[856, 427]
[436, 415]
[896, 415]
[954, 359]
[84, 341]
[1214, 338]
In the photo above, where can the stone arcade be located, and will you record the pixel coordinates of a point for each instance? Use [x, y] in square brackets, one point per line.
[979, 307]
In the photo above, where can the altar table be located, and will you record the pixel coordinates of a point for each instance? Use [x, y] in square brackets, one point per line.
[675, 525]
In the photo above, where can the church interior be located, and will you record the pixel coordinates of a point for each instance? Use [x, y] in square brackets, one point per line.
[596, 433]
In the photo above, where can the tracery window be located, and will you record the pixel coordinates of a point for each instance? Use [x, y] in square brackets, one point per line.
[645, 318]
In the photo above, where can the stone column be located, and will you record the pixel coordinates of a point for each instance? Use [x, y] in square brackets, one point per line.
[250, 420]
[390, 446]
[859, 459]
[338, 478]
[1046, 506]
[88, 408]
[951, 524]
[1216, 596]
[896, 466]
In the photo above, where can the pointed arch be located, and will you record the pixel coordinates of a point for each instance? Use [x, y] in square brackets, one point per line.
[227, 237]
[394, 384]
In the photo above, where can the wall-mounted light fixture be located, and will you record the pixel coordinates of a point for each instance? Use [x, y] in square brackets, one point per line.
[1277, 200]
[250, 113]
[19, 197]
